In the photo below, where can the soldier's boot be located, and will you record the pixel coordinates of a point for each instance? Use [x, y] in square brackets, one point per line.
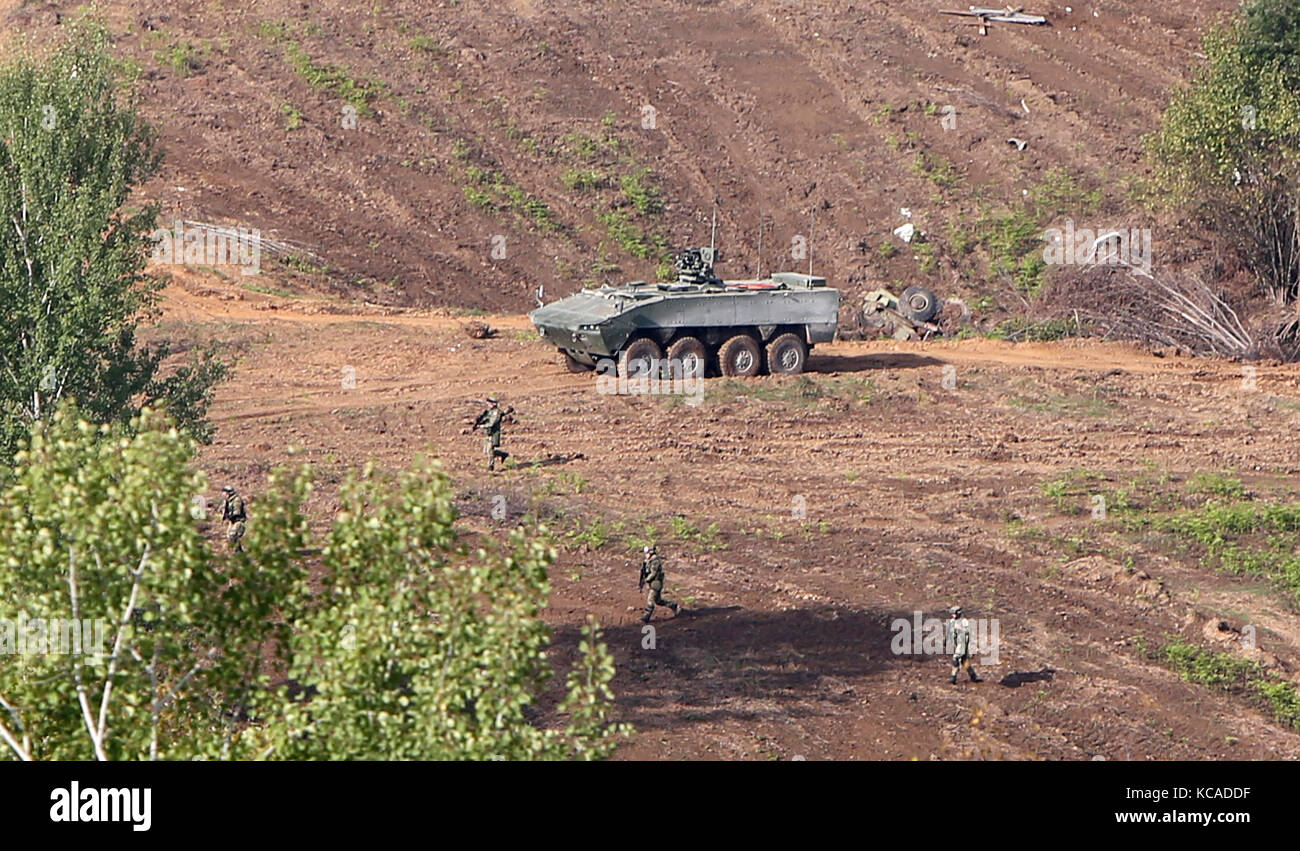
[974, 677]
[676, 608]
[646, 617]
[953, 678]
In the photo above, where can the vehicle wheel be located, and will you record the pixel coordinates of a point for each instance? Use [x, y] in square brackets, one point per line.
[740, 357]
[691, 354]
[567, 361]
[919, 304]
[787, 355]
[639, 358]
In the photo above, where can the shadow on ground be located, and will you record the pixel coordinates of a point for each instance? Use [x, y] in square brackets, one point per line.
[735, 663]
[1019, 678]
[548, 461]
[862, 363]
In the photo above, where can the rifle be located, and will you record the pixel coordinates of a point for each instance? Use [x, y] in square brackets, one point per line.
[640, 583]
[482, 418]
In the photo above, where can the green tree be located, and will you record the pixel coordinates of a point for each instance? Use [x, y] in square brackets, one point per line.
[411, 649]
[419, 651]
[1272, 36]
[1228, 149]
[98, 524]
[72, 253]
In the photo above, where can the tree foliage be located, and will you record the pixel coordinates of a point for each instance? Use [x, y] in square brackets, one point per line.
[1271, 36]
[415, 650]
[72, 252]
[97, 524]
[410, 649]
[1229, 145]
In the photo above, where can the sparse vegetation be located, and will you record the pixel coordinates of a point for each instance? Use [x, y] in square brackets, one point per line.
[936, 168]
[426, 44]
[489, 189]
[687, 532]
[583, 179]
[643, 194]
[1013, 237]
[1247, 538]
[293, 116]
[631, 238]
[1018, 329]
[1091, 405]
[334, 79]
[1066, 491]
[1217, 484]
[592, 535]
[183, 58]
[1232, 674]
[801, 391]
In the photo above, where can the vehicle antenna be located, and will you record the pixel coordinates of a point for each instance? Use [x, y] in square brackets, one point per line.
[759, 274]
[713, 234]
[812, 222]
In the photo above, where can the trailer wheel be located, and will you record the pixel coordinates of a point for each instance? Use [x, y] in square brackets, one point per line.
[919, 304]
[740, 357]
[568, 362]
[641, 357]
[691, 354]
[787, 355]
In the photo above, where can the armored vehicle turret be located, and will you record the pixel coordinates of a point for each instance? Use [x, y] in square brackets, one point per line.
[698, 325]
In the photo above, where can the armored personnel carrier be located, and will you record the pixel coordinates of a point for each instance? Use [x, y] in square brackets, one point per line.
[700, 324]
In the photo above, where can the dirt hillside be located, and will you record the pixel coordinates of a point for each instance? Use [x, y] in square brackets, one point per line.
[462, 153]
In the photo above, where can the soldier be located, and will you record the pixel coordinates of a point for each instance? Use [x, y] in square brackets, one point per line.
[491, 420]
[959, 640]
[233, 512]
[652, 574]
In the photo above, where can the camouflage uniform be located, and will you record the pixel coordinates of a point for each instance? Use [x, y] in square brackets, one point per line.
[235, 515]
[959, 636]
[652, 574]
[491, 421]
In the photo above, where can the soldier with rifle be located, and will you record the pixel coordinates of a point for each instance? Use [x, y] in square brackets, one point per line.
[959, 639]
[491, 421]
[234, 512]
[652, 574]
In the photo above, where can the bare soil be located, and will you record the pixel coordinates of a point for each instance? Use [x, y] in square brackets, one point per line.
[776, 109]
[914, 497]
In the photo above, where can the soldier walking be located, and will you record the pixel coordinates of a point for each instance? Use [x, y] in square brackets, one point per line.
[234, 513]
[652, 574]
[959, 639]
[491, 420]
